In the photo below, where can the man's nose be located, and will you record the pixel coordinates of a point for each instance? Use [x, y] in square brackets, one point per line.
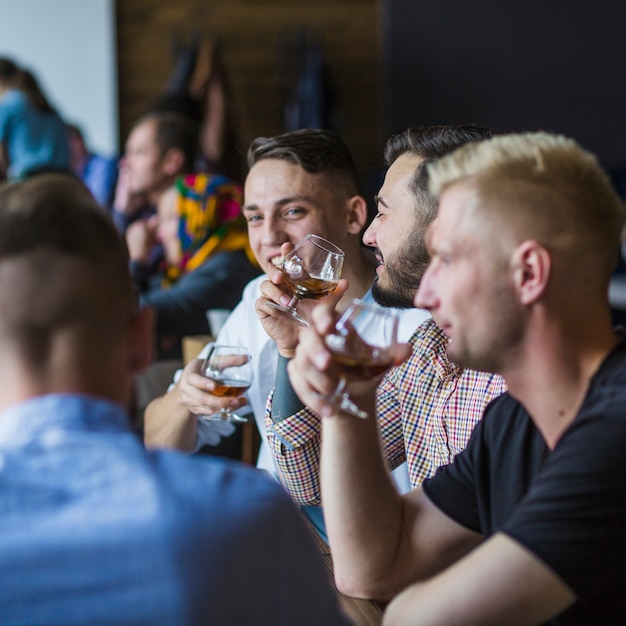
[369, 236]
[425, 296]
[273, 233]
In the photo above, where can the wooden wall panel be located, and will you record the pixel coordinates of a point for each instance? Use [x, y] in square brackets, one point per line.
[258, 43]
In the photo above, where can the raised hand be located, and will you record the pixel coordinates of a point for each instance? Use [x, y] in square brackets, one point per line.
[281, 330]
[195, 392]
[141, 237]
[314, 374]
[310, 271]
[230, 369]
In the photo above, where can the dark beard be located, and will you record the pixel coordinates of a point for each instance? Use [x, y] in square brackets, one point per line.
[404, 273]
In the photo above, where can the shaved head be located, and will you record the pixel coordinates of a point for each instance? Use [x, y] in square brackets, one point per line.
[64, 283]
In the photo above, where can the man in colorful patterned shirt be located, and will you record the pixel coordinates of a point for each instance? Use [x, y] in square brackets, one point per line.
[427, 407]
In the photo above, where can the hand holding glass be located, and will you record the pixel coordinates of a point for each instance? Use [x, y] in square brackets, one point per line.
[311, 270]
[361, 345]
[230, 368]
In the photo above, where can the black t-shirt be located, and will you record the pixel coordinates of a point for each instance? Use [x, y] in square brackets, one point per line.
[567, 506]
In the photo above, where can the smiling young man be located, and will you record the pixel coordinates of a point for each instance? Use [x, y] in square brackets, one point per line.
[299, 183]
[426, 407]
[527, 526]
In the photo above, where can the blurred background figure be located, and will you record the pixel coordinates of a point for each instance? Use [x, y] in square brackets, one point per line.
[32, 134]
[98, 172]
[160, 147]
[207, 257]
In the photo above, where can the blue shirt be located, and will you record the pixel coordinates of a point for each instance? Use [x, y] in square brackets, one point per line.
[99, 173]
[34, 139]
[94, 530]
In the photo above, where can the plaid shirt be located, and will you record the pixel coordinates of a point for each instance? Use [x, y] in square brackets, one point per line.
[427, 408]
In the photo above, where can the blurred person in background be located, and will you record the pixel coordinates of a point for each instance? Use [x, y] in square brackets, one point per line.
[160, 147]
[32, 135]
[97, 171]
[207, 257]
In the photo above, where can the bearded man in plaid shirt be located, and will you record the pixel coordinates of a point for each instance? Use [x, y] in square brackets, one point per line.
[427, 406]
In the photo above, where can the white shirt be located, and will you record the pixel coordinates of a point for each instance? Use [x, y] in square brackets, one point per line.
[243, 328]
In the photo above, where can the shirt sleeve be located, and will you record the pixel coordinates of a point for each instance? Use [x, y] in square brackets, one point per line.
[181, 308]
[295, 444]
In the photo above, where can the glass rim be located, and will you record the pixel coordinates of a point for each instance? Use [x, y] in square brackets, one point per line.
[391, 312]
[215, 346]
[326, 245]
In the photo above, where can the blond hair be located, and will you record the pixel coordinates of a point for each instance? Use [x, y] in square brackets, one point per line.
[543, 186]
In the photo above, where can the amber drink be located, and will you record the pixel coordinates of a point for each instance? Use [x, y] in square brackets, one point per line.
[230, 370]
[311, 270]
[361, 345]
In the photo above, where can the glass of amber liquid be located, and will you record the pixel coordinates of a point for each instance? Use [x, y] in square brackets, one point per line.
[231, 370]
[311, 270]
[361, 346]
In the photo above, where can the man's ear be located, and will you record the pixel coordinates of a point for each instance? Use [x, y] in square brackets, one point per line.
[357, 214]
[173, 161]
[141, 337]
[531, 264]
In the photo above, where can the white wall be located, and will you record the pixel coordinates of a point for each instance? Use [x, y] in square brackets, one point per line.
[70, 47]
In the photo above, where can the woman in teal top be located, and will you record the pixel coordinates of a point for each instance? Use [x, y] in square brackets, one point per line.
[33, 136]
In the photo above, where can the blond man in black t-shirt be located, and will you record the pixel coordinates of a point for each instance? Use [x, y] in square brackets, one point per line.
[528, 525]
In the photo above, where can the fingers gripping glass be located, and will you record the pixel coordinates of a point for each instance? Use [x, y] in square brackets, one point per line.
[231, 369]
[311, 270]
[361, 345]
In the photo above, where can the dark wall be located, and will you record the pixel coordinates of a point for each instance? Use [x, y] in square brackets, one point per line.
[537, 64]
[258, 40]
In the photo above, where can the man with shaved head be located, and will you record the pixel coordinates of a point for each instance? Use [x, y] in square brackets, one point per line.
[93, 528]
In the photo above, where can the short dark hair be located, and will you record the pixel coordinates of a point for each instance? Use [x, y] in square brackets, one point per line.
[54, 216]
[29, 85]
[41, 212]
[181, 104]
[8, 70]
[174, 131]
[315, 150]
[431, 143]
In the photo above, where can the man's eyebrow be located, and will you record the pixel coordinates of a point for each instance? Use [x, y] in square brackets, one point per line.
[282, 202]
[379, 200]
